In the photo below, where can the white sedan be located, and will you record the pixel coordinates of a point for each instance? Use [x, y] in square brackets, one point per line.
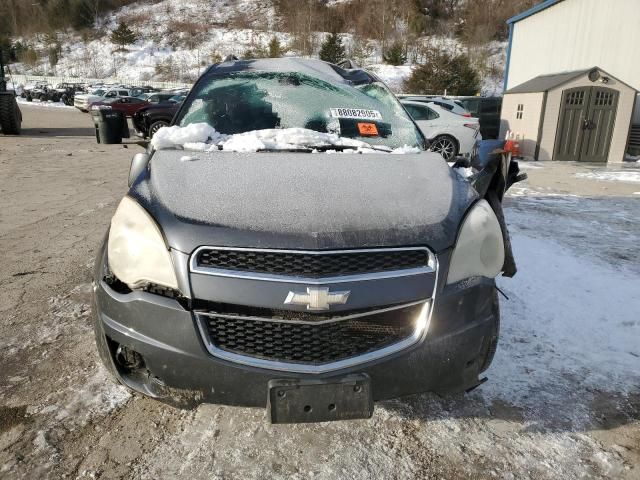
[449, 134]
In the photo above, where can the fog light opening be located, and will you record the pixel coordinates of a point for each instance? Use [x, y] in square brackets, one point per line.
[129, 359]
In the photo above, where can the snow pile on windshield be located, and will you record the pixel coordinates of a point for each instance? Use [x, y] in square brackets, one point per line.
[285, 139]
[172, 137]
[204, 138]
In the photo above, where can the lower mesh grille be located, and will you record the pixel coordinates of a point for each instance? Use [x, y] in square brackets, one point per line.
[309, 343]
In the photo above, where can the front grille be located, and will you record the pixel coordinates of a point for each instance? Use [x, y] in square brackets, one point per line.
[313, 265]
[308, 343]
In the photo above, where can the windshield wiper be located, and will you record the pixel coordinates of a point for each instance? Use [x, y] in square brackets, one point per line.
[342, 148]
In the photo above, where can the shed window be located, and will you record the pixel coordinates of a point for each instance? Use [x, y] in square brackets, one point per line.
[520, 111]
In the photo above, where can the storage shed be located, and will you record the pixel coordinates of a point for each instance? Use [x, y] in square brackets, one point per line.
[582, 115]
[573, 36]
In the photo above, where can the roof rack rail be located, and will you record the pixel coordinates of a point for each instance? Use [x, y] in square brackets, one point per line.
[348, 64]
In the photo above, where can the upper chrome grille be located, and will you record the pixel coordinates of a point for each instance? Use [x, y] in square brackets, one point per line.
[311, 264]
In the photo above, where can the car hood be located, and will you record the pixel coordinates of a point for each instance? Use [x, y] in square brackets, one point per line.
[303, 200]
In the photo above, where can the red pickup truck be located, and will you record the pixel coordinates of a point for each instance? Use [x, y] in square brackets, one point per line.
[127, 105]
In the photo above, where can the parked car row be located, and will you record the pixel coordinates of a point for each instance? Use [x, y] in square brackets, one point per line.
[62, 92]
[449, 126]
[150, 110]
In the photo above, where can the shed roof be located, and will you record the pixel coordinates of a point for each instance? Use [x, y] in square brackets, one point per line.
[544, 83]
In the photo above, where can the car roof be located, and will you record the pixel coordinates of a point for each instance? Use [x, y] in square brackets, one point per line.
[432, 105]
[435, 107]
[312, 67]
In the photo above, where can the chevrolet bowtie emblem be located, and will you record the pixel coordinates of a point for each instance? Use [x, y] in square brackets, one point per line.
[317, 298]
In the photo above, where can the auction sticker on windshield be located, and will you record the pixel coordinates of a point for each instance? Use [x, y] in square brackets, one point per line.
[357, 113]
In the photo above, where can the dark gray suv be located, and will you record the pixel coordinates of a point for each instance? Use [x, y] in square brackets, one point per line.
[291, 244]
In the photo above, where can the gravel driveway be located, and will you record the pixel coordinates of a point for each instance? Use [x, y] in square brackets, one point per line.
[562, 398]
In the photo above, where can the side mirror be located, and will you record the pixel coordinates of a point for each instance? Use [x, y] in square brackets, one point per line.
[138, 163]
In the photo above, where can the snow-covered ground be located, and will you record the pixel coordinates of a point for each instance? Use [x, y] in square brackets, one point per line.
[562, 400]
[615, 176]
[39, 104]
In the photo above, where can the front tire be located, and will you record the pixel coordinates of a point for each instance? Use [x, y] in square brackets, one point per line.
[446, 146]
[10, 115]
[155, 126]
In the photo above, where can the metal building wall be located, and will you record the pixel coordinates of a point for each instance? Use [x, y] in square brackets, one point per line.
[576, 34]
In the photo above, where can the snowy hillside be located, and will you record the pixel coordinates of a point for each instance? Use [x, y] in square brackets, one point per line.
[177, 39]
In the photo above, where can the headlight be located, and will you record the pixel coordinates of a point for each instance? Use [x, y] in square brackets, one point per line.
[137, 252]
[479, 250]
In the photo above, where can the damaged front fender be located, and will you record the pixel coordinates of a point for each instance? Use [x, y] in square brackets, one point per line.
[495, 173]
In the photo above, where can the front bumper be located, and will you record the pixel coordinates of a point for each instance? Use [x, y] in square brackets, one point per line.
[179, 368]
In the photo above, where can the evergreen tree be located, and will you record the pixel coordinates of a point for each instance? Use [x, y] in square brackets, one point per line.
[332, 50]
[444, 71]
[123, 35]
[395, 55]
[275, 48]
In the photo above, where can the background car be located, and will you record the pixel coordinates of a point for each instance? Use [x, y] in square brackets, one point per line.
[487, 110]
[157, 97]
[39, 91]
[148, 120]
[127, 105]
[449, 104]
[449, 134]
[83, 102]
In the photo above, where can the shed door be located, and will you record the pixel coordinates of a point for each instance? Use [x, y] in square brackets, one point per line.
[586, 122]
[598, 129]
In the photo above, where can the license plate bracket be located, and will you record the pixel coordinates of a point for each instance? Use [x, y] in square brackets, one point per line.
[320, 400]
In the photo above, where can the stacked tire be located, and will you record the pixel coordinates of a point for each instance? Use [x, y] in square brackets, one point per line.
[10, 115]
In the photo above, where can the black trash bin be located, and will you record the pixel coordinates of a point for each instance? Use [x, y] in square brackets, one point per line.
[111, 126]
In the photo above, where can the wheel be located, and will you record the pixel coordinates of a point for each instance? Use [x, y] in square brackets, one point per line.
[43, 97]
[445, 146]
[10, 115]
[492, 340]
[55, 98]
[155, 126]
[29, 97]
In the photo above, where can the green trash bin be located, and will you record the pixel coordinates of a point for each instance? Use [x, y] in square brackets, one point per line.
[111, 126]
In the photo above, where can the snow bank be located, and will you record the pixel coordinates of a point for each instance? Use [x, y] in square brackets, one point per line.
[23, 102]
[629, 176]
[204, 138]
[393, 76]
[558, 328]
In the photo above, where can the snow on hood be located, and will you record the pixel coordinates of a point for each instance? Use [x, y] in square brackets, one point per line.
[203, 137]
